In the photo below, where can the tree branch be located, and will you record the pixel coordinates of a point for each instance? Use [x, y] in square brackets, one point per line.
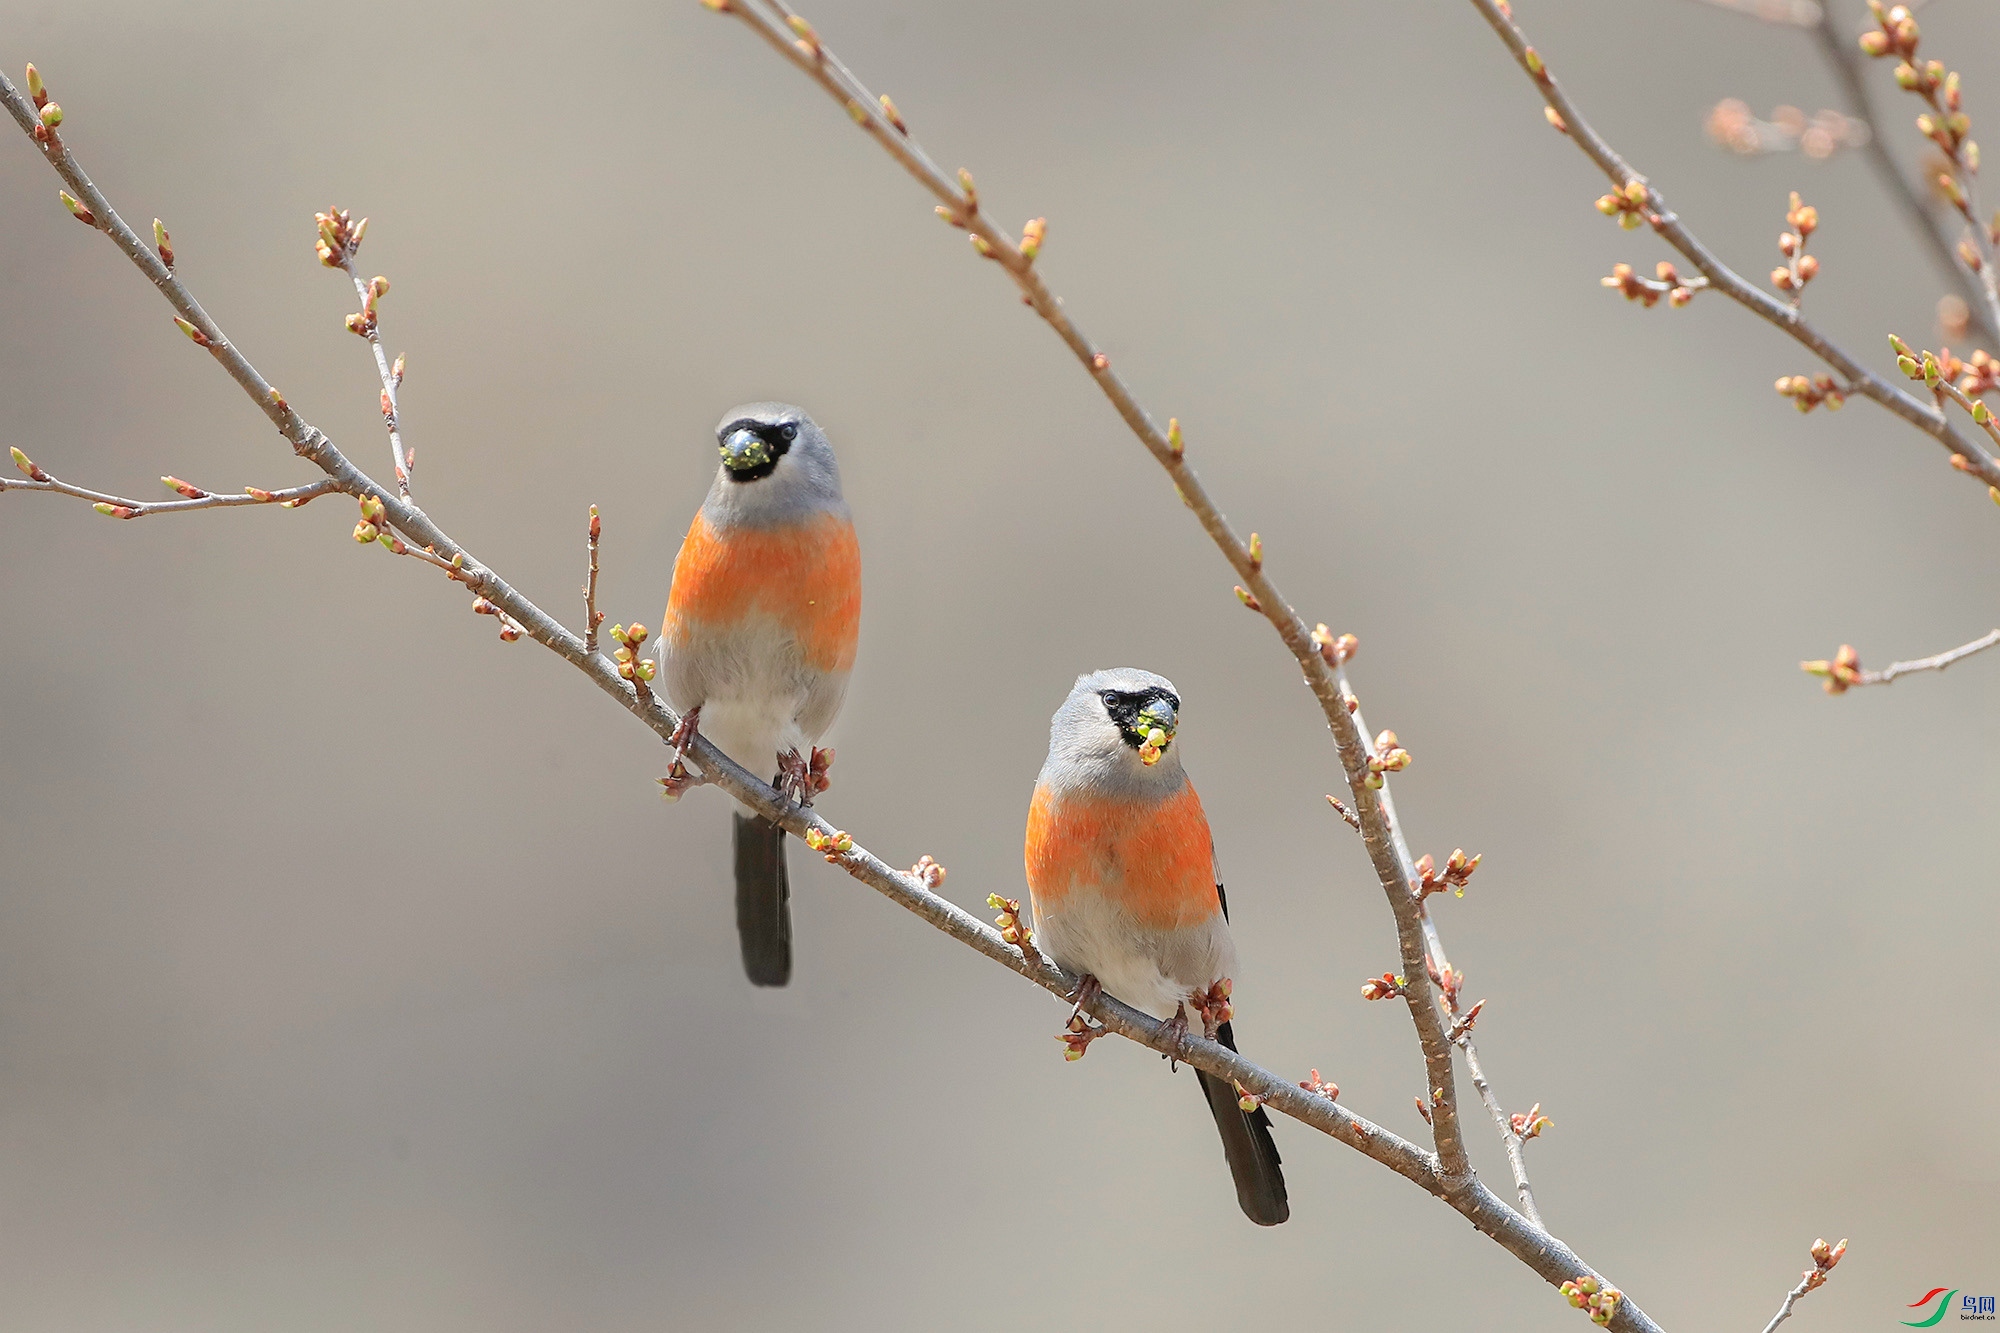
[115, 506]
[1928, 418]
[1844, 672]
[796, 40]
[960, 206]
[1445, 1174]
[368, 326]
[1842, 59]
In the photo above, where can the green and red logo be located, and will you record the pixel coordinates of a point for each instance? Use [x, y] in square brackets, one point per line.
[1936, 1315]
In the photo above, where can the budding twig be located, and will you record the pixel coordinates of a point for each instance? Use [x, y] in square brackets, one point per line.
[192, 497]
[1924, 416]
[592, 617]
[339, 240]
[1948, 127]
[1842, 57]
[1824, 1258]
[1844, 672]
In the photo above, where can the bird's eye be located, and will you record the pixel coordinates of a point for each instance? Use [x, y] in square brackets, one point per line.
[788, 431]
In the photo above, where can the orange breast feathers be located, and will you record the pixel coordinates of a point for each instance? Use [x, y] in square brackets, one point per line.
[1155, 857]
[807, 577]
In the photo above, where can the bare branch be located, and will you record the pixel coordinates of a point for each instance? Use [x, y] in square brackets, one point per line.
[1844, 672]
[1653, 211]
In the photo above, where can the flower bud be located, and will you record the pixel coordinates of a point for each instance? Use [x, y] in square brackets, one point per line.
[77, 209]
[51, 115]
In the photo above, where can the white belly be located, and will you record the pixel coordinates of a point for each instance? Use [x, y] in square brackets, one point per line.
[1152, 970]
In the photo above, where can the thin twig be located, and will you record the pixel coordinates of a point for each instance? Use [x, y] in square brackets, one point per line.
[117, 506]
[1513, 1143]
[1937, 663]
[1434, 949]
[1927, 417]
[371, 292]
[592, 617]
[1454, 1184]
[1844, 672]
[1824, 1258]
[1843, 58]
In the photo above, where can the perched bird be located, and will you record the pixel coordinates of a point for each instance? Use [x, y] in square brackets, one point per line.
[759, 638]
[1121, 867]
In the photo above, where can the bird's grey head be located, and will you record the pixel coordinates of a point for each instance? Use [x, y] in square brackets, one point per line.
[776, 464]
[1121, 723]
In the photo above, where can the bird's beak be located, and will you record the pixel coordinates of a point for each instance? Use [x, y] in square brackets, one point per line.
[745, 450]
[1155, 726]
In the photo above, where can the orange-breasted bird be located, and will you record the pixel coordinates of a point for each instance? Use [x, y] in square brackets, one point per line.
[759, 639]
[1121, 866]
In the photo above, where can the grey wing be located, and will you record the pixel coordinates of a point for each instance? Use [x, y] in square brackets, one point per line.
[823, 694]
[1215, 864]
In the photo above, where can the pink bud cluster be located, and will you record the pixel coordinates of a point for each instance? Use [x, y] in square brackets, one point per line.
[1648, 291]
[339, 236]
[1529, 1124]
[1799, 267]
[1458, 868]
[1386, 756]
[1841, 674]
[1587, 1293]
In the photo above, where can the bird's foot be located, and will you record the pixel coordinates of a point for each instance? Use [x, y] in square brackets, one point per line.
[679, 781]
[794, 777]
[1177, 1028]
[1213, 1006]
[1078, 1035]
[1086, 992]
[801, 778]
[684, 734]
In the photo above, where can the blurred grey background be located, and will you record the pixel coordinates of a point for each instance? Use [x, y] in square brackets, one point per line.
[353, 975]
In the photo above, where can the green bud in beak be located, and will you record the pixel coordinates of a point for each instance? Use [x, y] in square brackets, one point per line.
[1154, 727]
[745, 452]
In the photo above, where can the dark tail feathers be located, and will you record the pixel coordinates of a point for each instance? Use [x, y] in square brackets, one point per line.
[1246, 1142]
[763, 902]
